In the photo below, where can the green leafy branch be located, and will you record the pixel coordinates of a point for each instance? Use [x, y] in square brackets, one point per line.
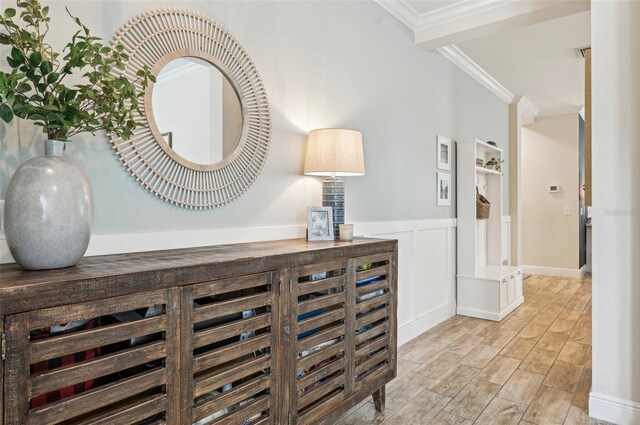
[105, 99]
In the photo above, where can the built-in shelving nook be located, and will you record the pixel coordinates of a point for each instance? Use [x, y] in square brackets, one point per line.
[488, 287]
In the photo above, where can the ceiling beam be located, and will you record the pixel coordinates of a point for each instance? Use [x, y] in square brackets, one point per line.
[471, 19]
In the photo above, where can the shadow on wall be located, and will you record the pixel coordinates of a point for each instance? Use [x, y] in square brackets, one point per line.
[19, 142]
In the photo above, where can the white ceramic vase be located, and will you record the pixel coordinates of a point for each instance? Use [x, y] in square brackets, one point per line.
[48, 211]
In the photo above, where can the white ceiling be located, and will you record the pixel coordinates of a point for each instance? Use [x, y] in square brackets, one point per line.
[538, 61]
[426, 6]
[514, 47]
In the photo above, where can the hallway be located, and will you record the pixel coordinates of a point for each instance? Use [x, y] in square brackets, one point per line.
[533, 367]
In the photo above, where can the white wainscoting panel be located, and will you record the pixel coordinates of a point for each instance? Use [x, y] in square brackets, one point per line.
[426, 271]
[506, 240]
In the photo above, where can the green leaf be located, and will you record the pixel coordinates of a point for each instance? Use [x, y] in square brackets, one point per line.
[10, 99]
[51, 78]
[46, 67]
[23, 87]
[13, 63]
[6, 113]
[9, 13]
[17, 54]
[68, 97]
[35, 59]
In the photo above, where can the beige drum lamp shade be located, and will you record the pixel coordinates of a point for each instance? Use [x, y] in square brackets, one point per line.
[334, 152]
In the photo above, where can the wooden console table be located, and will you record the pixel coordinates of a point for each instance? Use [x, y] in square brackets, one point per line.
[280, 332]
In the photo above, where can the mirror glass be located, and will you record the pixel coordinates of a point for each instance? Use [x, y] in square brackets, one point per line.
[197, 110]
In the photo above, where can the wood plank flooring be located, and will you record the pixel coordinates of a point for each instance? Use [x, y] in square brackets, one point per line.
[533, 367]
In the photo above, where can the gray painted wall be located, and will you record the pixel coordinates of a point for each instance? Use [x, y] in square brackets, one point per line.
[324, 64]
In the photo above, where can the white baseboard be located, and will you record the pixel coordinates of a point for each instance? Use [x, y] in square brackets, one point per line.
[481, 314]
[408, 331]
[613, 409]
[551, 271]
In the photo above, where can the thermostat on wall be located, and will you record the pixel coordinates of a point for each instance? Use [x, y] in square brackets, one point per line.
[554, 188]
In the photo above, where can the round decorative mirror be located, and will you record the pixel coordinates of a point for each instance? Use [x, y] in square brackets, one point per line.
[208, 124]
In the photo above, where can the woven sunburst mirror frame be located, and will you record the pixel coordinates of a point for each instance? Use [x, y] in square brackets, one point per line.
[154, 39]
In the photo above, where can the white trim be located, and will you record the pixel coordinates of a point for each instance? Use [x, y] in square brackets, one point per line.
[156, 241]
[551, 271]
[464, 62]
[527, 110]
[380, 228]
[613, 409]
[471, 19]
[561, 111]
[138, 242]
[403, 11]
[463, 9]
[463, 311]
[457, 11]
[408, 331]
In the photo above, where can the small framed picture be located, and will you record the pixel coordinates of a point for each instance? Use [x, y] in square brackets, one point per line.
[444, 153]
[320, 223]
[444, 189]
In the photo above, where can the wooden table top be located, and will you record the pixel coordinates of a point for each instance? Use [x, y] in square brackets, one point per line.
[113, 275]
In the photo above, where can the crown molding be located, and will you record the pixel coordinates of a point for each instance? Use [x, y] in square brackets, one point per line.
[460, 10]
[527, 109]
[465, 20]
[404, 12]
[464, 62]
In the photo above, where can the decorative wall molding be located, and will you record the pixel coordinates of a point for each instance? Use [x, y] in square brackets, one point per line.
[403, 11]
[464, 62]
[464, 9]
[138, 242]
[551, 271]
[470, 19]
[613, 409]
[426, 272]
[413, 329]
[527, 109]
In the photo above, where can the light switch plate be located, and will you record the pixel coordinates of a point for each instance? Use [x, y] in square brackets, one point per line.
[567, 211]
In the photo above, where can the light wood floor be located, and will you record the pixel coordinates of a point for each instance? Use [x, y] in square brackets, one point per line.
[533, 367]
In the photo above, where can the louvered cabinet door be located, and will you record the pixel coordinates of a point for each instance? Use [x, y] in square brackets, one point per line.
[229, 353]
[373, 282]
[317, 341]
[112, 361]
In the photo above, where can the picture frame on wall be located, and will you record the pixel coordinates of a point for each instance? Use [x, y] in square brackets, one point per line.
[443, 189]
[443, 153]
[320, 224]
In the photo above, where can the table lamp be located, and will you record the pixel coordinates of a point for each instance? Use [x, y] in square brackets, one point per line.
[334, 153]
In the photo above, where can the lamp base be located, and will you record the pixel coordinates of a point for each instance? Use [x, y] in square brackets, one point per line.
[333, 196]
